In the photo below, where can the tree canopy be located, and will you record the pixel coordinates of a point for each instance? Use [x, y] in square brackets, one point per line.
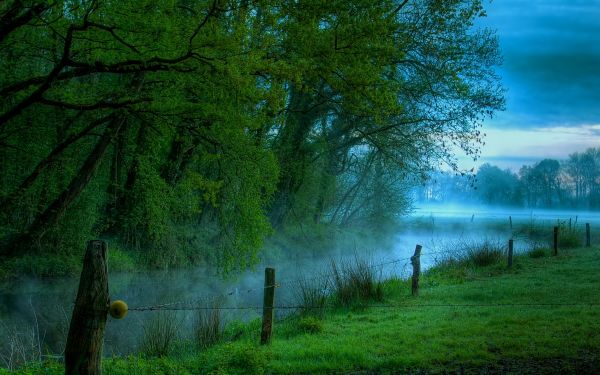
[188, 130]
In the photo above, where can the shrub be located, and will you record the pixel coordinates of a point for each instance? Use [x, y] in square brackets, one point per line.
[160, 333]
[355, 282]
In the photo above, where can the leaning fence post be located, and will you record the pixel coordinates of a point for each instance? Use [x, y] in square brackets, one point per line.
[510, 253]
[587, 234]
[555, 242]
[268, 310]
[83, 352]
[416, 264]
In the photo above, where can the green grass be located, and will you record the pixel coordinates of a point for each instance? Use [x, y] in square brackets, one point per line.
[425, 334]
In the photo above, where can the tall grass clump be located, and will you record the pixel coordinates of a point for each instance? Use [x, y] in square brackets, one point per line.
[311, 295]
[569, 236]
[159, 335]
[209, 325]
[483, 254]
[355, 282]
[464, 254]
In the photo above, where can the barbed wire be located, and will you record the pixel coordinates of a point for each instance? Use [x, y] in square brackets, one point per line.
[376, 306]
[189, 303]
[237, 291]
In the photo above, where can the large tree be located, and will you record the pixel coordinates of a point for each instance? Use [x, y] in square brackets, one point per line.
[178, 127]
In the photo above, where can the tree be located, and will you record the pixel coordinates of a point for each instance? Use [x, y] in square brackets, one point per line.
[185, 129]
[542, 183]
[496, 186]
[584, 172]
[410, 80]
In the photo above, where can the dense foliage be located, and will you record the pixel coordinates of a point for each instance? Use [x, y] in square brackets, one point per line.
[571, 183]
[187, 130]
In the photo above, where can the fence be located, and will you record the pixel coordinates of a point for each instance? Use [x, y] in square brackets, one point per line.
[83, 351]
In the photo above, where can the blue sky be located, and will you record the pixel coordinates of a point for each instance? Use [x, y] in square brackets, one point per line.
[551, 71]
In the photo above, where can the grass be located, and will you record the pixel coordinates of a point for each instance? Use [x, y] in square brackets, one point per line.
[208, 325]
[355, 282]
[462, 321]
[160, 335]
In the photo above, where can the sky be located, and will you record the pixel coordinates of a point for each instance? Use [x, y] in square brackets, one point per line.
[551, 71]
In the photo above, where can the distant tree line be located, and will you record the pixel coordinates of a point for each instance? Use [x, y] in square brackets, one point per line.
[571, 183]
[189, 130]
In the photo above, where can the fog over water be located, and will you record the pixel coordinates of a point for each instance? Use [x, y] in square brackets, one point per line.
[439, 229]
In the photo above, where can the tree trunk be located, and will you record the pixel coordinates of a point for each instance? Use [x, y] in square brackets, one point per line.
[292, 153]
[57, 208]
[6, 203]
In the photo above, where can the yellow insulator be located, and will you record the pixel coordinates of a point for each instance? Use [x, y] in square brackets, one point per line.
[118, 309]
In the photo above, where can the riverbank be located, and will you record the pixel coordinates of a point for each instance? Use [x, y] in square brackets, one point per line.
[541, 316]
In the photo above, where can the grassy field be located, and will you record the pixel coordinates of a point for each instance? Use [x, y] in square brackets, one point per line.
[466, 320]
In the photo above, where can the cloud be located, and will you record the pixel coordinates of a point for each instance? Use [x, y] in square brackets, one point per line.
[512, 147]
[551, 65]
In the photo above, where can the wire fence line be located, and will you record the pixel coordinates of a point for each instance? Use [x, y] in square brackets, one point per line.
[374, 306]
[202, 302]
[237, 291]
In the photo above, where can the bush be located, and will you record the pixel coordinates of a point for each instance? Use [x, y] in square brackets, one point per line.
[355, 282]
[160, 333]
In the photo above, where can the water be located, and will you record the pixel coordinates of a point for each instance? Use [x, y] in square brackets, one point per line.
[45, 306]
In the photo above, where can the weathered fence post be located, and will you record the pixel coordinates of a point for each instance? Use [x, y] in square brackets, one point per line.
[83, 352]
[416, 264]
[555, 242]
[587, 234]
[268, 310]
[510, 253]
[510, 222]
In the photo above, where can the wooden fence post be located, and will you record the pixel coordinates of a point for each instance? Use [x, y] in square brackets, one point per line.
[555, 242]
[510, 222]
[416, 264]
[510, 253]
[268, 310]
[83, 352]
[587, 234]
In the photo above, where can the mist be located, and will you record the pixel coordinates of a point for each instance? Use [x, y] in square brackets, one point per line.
[442, 229]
